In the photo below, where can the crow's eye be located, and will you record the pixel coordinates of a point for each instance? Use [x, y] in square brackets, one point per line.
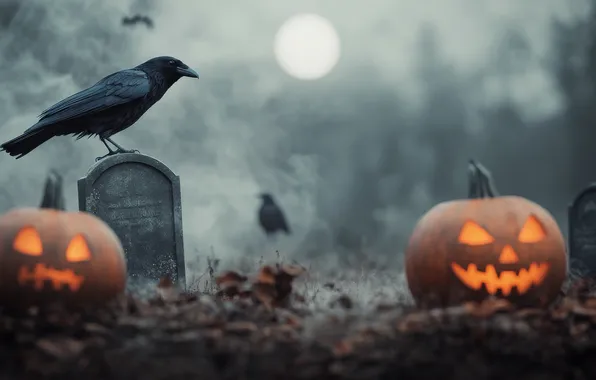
[173, 63]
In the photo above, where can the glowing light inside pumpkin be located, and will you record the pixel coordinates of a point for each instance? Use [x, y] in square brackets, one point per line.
[504, 281]
[58, 278]
[508, 256]
[28, 242]
[532, 231]
[472, 234]
[78, 250]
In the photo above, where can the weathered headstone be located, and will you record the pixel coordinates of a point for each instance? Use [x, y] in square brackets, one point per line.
[139, 198]
[582, 232]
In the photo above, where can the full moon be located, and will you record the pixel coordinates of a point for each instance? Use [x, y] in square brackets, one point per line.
[307, 46]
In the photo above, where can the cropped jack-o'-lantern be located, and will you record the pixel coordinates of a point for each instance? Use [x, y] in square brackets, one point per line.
[487, 245]
[48, 255]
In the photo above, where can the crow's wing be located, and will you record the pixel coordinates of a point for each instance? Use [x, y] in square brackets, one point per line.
[116, 89]
[283, 223]
[271, 217]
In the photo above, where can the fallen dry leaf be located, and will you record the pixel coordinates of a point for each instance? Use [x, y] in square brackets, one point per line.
[414, 322]
[288, 318]
[583, 311]
[291, 270]
[489, 307]
[165, 282]
[166, 291]
[230, 284]
[230, 277]
[343, 348]
[283, 281]
[375, 331]
[266, 275]
[264, 293]
[454, 311]
[96, 328]
[61, 348]
[272, 286]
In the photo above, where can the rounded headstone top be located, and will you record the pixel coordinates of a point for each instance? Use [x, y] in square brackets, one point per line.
[104, 164]
[588, 189]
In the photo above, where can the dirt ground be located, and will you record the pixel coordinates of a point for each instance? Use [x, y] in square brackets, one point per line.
[261, 330]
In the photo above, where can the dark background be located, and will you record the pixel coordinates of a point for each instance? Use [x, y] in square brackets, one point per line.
[354, 158]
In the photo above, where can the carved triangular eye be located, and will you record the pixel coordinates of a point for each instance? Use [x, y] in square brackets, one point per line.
[78, 250]
[472, 234]
[28, 242]
[532, 231]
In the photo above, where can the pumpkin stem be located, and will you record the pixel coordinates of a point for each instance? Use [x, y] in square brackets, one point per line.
[53, 196]
[481, 183]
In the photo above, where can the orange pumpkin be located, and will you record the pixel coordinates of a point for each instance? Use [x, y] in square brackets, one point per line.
[49, 255]
[487, 245]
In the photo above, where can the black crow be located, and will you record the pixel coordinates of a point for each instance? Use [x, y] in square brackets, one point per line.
[137, 19]
[111, 105]
[271, 217]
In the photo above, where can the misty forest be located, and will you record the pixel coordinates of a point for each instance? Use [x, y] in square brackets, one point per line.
[354, 158]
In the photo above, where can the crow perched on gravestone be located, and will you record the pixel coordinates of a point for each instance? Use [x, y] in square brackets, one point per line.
[111, 105]
[271, 217]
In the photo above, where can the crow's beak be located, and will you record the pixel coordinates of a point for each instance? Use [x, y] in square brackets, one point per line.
[188, 72]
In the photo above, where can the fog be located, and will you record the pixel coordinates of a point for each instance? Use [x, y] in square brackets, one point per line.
[354, 158]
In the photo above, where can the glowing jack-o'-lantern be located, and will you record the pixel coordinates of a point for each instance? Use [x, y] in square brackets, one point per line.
[49, 255]
[488, 245]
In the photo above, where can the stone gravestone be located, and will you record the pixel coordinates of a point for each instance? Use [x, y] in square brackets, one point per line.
[582, 233]
[139, 198]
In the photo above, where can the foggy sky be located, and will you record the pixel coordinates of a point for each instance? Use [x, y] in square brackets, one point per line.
[344, 155]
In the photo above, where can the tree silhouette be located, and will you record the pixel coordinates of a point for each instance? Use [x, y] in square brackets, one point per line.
[443, 119]
[574, 67]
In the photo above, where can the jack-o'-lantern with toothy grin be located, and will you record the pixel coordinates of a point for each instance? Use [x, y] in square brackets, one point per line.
[49, 255]
[487, 245]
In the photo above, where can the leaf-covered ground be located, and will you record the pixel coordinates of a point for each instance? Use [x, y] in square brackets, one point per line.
[262, 329]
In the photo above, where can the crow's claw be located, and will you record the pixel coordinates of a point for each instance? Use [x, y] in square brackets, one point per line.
[104, 156]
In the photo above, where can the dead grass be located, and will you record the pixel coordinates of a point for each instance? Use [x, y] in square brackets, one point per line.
[366, 284]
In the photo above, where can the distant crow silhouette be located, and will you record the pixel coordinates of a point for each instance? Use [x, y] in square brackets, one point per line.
[271, 217]
[138, 19]
[111, 105]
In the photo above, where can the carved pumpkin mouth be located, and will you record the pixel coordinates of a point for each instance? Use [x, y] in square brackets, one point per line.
[504, 281]
[57, 278]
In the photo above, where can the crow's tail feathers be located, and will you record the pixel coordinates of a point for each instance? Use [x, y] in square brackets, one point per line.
[25, 143]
